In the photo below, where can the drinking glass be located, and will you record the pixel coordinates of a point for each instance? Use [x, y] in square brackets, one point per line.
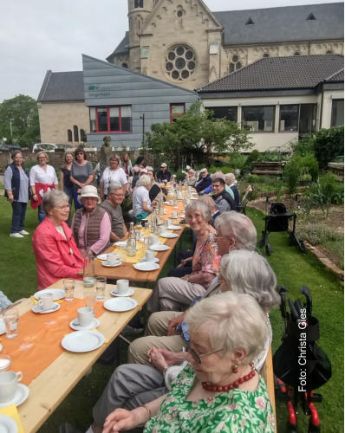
[69, 285]
[100, 288]
[90, 297]
[11, 318]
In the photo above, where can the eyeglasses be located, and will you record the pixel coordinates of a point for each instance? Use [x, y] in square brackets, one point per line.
[64, 206]
[198, 357]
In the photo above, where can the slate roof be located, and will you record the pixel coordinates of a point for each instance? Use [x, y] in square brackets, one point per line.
[279, 24]
[122, 48]
[62, 86]
[338, 77]
[272, 73]
[283, 24]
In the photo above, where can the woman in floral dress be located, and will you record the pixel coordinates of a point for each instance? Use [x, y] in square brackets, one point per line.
[219, 390]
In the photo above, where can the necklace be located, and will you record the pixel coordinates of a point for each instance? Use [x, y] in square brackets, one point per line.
[208, 386]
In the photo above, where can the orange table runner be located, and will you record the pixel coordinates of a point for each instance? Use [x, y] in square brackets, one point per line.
[39, 335]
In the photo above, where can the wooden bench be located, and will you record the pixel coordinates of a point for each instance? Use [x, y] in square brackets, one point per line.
[268, 375]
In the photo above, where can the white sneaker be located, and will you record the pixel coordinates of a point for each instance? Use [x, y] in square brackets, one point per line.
[24, 232]
[16, 235]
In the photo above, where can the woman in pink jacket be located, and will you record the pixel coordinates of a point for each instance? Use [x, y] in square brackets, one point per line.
[56, 252]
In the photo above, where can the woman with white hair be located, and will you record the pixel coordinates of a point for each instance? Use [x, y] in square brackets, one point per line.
[219, 390]
[57, 255]
[142, 205]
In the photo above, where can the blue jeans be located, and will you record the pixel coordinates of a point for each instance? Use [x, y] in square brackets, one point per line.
[41, 214]
[77, 203]
[18, 216]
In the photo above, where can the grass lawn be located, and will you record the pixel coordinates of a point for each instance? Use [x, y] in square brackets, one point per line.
[18, 279]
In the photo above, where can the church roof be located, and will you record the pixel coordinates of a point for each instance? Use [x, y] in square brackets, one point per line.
[122, 48]
[283, 24]
[277, 73]
[62, 87]
[280, 24]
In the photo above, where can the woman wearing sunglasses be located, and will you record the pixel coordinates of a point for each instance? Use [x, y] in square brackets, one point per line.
[219, 390]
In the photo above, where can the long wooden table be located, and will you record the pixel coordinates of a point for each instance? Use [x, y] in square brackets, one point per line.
[52, 386]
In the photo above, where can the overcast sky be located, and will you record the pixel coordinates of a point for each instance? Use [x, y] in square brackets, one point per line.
[37, 35]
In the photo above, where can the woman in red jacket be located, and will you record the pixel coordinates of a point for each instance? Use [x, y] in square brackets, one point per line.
[56, 252]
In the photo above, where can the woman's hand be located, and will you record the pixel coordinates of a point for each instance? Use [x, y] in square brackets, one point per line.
[174, 323]
[10, 197]
[122, 420]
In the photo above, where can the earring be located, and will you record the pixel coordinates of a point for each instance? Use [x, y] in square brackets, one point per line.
[234, 368]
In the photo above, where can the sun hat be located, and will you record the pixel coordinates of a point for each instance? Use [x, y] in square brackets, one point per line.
[88, 191]
[163, 165]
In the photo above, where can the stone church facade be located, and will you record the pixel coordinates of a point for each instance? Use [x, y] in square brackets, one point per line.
[184, 43]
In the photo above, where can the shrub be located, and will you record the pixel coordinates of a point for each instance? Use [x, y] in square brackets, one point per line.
[317, 234]
[325, 192]
[328, 144]
[300, 167]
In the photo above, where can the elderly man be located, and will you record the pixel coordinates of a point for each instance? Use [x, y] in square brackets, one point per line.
[112, 205]
[235, 231]
[163, 175]
[231, 183]
[222, 198]
[203, 182]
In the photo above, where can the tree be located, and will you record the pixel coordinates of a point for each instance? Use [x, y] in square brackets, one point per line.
[196, 134]
[19, 120]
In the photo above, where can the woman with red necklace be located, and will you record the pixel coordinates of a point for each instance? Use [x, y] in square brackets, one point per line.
[219, 390]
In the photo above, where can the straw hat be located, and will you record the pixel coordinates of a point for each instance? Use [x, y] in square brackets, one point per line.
[89, 191]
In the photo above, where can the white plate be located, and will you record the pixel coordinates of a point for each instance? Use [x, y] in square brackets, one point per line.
[146, 266]
[173, 227]
[36, 309]
[7, 424]
[154, 260]
[159, 247]
[57, 293]
[75, 325]
[121, 244]
[2, 327]
[129, 292]
[82, 341]
[21, 394]
[120, 304]
[111, 266]
[168, 235]
[102, 257]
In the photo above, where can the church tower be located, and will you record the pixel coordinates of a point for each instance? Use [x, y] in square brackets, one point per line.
[138, 11]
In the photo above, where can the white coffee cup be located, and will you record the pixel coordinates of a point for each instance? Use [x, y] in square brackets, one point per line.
[149, 255]
[8, 384]
[46, 301]
[85, 316]
[122, 286]
[174, 214]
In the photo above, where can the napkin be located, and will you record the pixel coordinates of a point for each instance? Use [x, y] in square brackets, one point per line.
[12, 412]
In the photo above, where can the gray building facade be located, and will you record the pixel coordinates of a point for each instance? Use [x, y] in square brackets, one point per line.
[124, 104]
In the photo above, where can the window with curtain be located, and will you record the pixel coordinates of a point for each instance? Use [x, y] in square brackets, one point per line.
[259, 118]
[111, 119]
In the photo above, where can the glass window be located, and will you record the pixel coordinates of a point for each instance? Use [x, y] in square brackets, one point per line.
[337, 113]
[138, 4]
[229, 113]
[288, 118]
[176, 110]
[111, 119]
[258, 119]
[69, 135]
[76, 133]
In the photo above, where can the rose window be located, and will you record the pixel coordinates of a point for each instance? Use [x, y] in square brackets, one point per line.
[180, 62]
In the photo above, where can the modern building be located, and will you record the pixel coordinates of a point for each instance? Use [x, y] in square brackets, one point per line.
[184, 43]
[282, 98]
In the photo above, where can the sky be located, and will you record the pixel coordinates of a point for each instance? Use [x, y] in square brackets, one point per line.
[41, 35]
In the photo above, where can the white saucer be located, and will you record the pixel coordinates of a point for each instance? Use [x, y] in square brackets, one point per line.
[36, 309]
[22, 393]
[102, 257]
[74, 324]
[146, 266]
[121, 244]
[174, 227]
[120, 305]
[106, 265]
[129, 292]
[8, 424]
[159, 247]
[168, 235]
[154, 260]
[56, 293]
[82, 341]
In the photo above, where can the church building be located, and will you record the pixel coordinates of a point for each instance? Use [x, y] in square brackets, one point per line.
[186, 44]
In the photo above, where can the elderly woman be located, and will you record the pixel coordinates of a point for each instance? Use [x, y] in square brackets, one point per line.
[219, 390]
[142, 205]
[174, 293]
[113, 174]
[91, 224]
[17, 191]
[81, 174]
[242, 272]
[56, 252]
[42, 179]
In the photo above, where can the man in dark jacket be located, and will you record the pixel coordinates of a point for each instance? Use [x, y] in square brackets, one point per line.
[203, 182]
[222, 198]
[163, 174]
